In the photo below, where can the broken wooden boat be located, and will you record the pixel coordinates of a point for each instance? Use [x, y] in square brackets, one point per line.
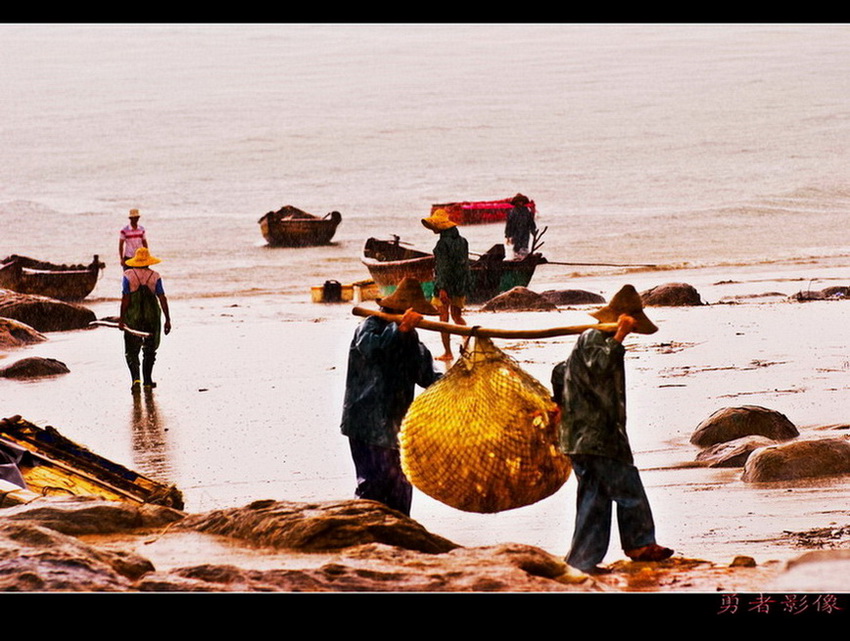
[389, 261]
[293, 227]
[476, 212]
[62, 282]
[55, 465]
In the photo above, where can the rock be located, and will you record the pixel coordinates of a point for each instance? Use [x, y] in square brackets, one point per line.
[838, 292]
[518, 299]
[79, 515]
[733, 453]
[819, 571]
[42, 313]
[35, 558]
[319, 526]
[799, 459]
[829, 293]
[34, 367]
[14, 334]
[572, 297]
[671, 295]
[731, 423]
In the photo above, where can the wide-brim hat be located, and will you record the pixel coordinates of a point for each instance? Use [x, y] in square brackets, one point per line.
[408, 295]
[143, 258]
[626, 301]
[439, 220]
[134, 213]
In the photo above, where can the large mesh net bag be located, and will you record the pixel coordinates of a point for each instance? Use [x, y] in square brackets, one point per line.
[484, 438]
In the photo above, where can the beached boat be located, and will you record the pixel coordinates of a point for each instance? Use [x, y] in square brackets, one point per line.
[54, 465]
[63, 282]
[389, 261]
[481, 211]
[292, 227]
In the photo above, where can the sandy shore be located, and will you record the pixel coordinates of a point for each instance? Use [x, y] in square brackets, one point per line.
[250, 392]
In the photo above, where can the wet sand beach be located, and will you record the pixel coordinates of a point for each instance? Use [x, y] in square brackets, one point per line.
[250, 392]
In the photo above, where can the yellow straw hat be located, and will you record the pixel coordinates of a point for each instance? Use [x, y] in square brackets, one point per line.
[626, 301]
[134, 213]
[438, 221]
[408, 295]
[143, 258]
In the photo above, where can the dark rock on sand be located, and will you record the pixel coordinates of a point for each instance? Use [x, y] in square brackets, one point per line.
[34, 367]
[319, 526]
[671, 295]
[42, 313]
[731, 423]
[34, 558]
[518, 299]
[733, 453]
[78, 515]
[14, 334]
[799, 459]
[572, 297]
[828, 293]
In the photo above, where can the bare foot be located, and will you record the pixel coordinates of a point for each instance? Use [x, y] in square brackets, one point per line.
[445, 357]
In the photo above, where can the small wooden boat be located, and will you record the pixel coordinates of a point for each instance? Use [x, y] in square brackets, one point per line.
[62, 282]
[479, 211]
[55, 465]
[292, 227]
[389, 261]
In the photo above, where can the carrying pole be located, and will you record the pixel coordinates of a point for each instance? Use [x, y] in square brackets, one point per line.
[474, 330]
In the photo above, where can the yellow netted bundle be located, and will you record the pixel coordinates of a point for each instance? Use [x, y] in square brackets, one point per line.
[484, 438]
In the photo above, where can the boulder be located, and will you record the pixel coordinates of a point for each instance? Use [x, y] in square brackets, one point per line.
[14, 334]
[518, 299]
[572, 297]
[671, 295]
[836, 292]
[34, 367]
[731, 423]
[733, 453]
[799, 459]
[42, 313]
[318, 526]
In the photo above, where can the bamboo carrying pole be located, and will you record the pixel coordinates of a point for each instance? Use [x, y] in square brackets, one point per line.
[472, 330]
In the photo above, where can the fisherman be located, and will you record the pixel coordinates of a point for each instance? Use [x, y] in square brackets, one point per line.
[142, 303]
[385, 363]
[131, 238]
[520, 226]
[452, 278]
[590, 389]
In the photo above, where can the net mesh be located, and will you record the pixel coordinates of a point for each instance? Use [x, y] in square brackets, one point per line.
[484, 438]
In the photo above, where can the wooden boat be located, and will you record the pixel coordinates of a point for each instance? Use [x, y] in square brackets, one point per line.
[389, 261]
[55, 465]
[292, 227]
[479, 211]
[62, 282]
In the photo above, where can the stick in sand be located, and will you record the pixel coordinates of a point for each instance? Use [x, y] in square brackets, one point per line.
[470, 330]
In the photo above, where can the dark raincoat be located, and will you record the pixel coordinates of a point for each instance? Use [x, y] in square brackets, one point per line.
[519, 226]
[451, 264]
[384, 367]
[590, 386]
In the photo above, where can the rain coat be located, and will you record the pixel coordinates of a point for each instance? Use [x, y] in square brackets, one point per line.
[451, 263]
[519, 227]
[590, 387]
[384, 367]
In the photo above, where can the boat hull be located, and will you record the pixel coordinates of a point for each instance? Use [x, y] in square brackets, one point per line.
[62, 282]
[389, 262]
[282, 230]
[479, 212]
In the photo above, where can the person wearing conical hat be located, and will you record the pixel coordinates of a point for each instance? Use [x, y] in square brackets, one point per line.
[590, 389]
[130, 238]
[520, 225]
[143, 302]
[452, 278]
[386, 361]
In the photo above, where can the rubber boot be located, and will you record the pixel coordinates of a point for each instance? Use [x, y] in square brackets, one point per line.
[147, 369]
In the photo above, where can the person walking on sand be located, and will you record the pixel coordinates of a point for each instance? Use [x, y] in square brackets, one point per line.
[589, 387]
[385, 363]
[452, 279]
[143, 302]
[131, 237]
[520, 225]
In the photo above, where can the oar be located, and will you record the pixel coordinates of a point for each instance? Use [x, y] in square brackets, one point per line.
[470, 330]
[134, 332]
